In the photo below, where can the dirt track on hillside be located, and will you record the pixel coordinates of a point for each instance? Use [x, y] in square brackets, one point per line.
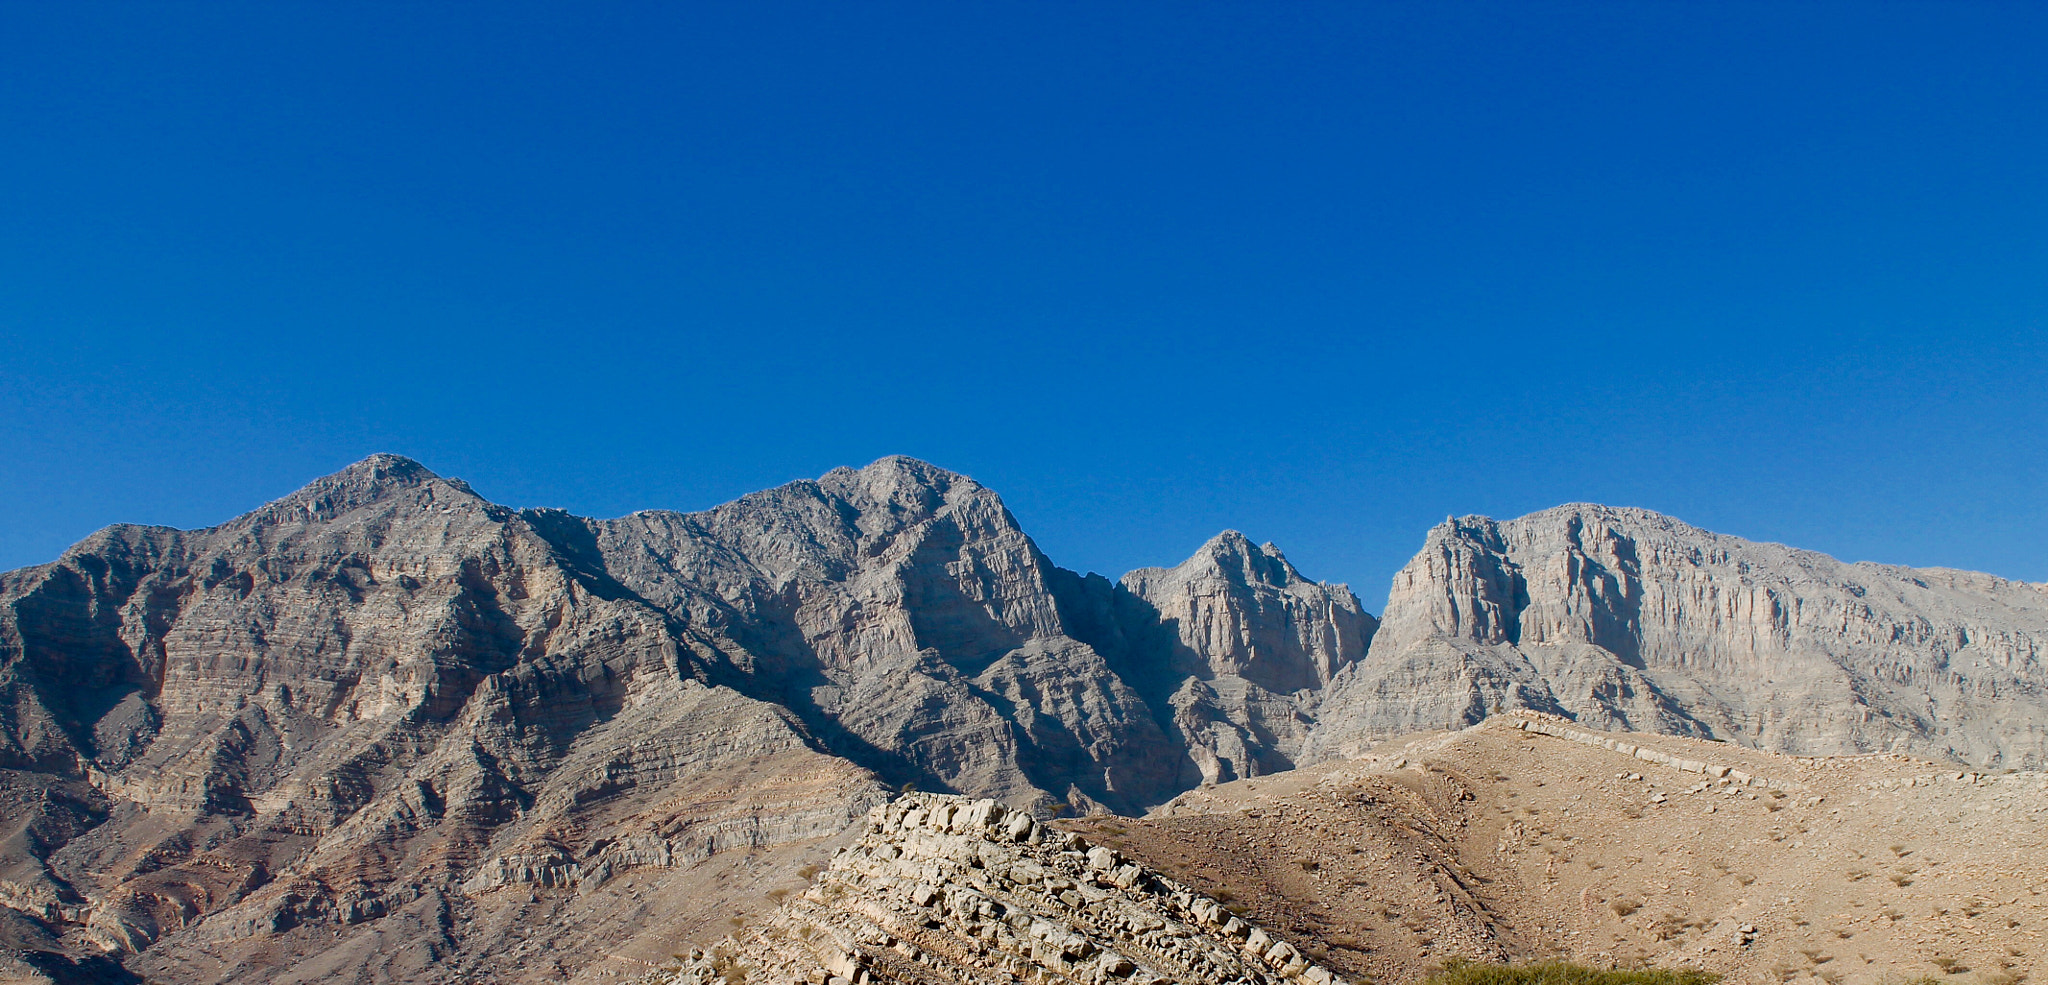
[1503, 844]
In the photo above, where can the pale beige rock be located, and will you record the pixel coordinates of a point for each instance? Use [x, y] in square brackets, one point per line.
[1252, 645]
[1529, 838]
[1623, 618]
[943, 889]
[356, 730]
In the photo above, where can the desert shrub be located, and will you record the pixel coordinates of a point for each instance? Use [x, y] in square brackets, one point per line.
[1459, 972]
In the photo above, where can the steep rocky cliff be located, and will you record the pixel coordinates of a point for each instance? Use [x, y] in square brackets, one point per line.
[368, 731]
[1627, 619]
[1251, 644]
[344, 714]
[383, 730]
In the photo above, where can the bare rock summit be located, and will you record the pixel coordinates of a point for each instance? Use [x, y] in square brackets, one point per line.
[383, 730]
[1628, 619]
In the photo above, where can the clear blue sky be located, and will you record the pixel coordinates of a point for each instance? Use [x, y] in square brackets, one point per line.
[1325, 273]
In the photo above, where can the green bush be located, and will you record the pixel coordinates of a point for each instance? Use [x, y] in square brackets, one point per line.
[1458, 972]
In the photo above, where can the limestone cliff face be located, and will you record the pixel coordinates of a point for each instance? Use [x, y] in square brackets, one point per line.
[349, 707]
[903, 613]
[1249, 645]
[383, 730]
[1628, 619]
[1242, 610]
[386, 709]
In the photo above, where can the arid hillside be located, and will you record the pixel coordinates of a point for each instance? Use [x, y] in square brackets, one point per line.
[1527, 837]
[383, 731]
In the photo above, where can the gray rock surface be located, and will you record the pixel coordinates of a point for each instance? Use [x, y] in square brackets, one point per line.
[1627, 619]
[291, 745]
[1252, 644]
[368, 731]
[946, 889]
[383, 730]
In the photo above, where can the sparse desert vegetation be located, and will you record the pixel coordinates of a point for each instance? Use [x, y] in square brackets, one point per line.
[1456, 972]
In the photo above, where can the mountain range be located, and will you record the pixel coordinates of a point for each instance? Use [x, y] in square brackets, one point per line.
[383, 729]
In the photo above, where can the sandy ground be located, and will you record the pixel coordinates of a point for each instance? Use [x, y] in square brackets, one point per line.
[1503, 844]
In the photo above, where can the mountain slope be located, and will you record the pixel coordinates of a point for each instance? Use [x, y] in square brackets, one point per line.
[1628, 619]
[343, 708]
[1530, 838]
[1251, 644]
[381, 729]
[944, 890]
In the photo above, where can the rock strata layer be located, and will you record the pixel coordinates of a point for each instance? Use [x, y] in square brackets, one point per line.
[375, 730]
[384, 730]
[945, 889]
[1625, 619]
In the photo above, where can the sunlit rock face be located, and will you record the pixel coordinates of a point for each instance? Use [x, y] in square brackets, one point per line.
[370, 724]
[1625, 618]
[1249, 644]
[948, 890]
[385, 730]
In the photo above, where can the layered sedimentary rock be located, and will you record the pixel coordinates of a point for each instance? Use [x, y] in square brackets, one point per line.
[945, 889]
[903, 613]
[373, 729]
[1626, 619]
[1251, 644]
[341, 715]
[385, 730]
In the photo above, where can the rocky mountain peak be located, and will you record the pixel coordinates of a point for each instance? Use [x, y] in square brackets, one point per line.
[383, 481]
[1244, 611]
[1232, 555]
[891, 476]
[382, 709]
[1627, 618]
[376, 475]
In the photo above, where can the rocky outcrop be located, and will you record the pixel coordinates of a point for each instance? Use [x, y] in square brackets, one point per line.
[387, 709]
[355, 705]
[1626, 619]
[945, 889]
[1249, 643]
[385, 730]
[1239, 610]
[903, 614]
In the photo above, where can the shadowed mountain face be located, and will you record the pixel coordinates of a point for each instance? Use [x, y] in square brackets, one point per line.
[1626, 619]
[382, 730]
[363, 732]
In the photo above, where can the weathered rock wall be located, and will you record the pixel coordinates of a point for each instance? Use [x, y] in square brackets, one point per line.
[387, 708]
[1628, 619]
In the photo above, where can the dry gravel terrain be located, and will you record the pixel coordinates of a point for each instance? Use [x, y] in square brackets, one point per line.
[1502, 843]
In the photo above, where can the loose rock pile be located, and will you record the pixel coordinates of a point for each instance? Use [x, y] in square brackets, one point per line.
[947, 889]
[1553, 726]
